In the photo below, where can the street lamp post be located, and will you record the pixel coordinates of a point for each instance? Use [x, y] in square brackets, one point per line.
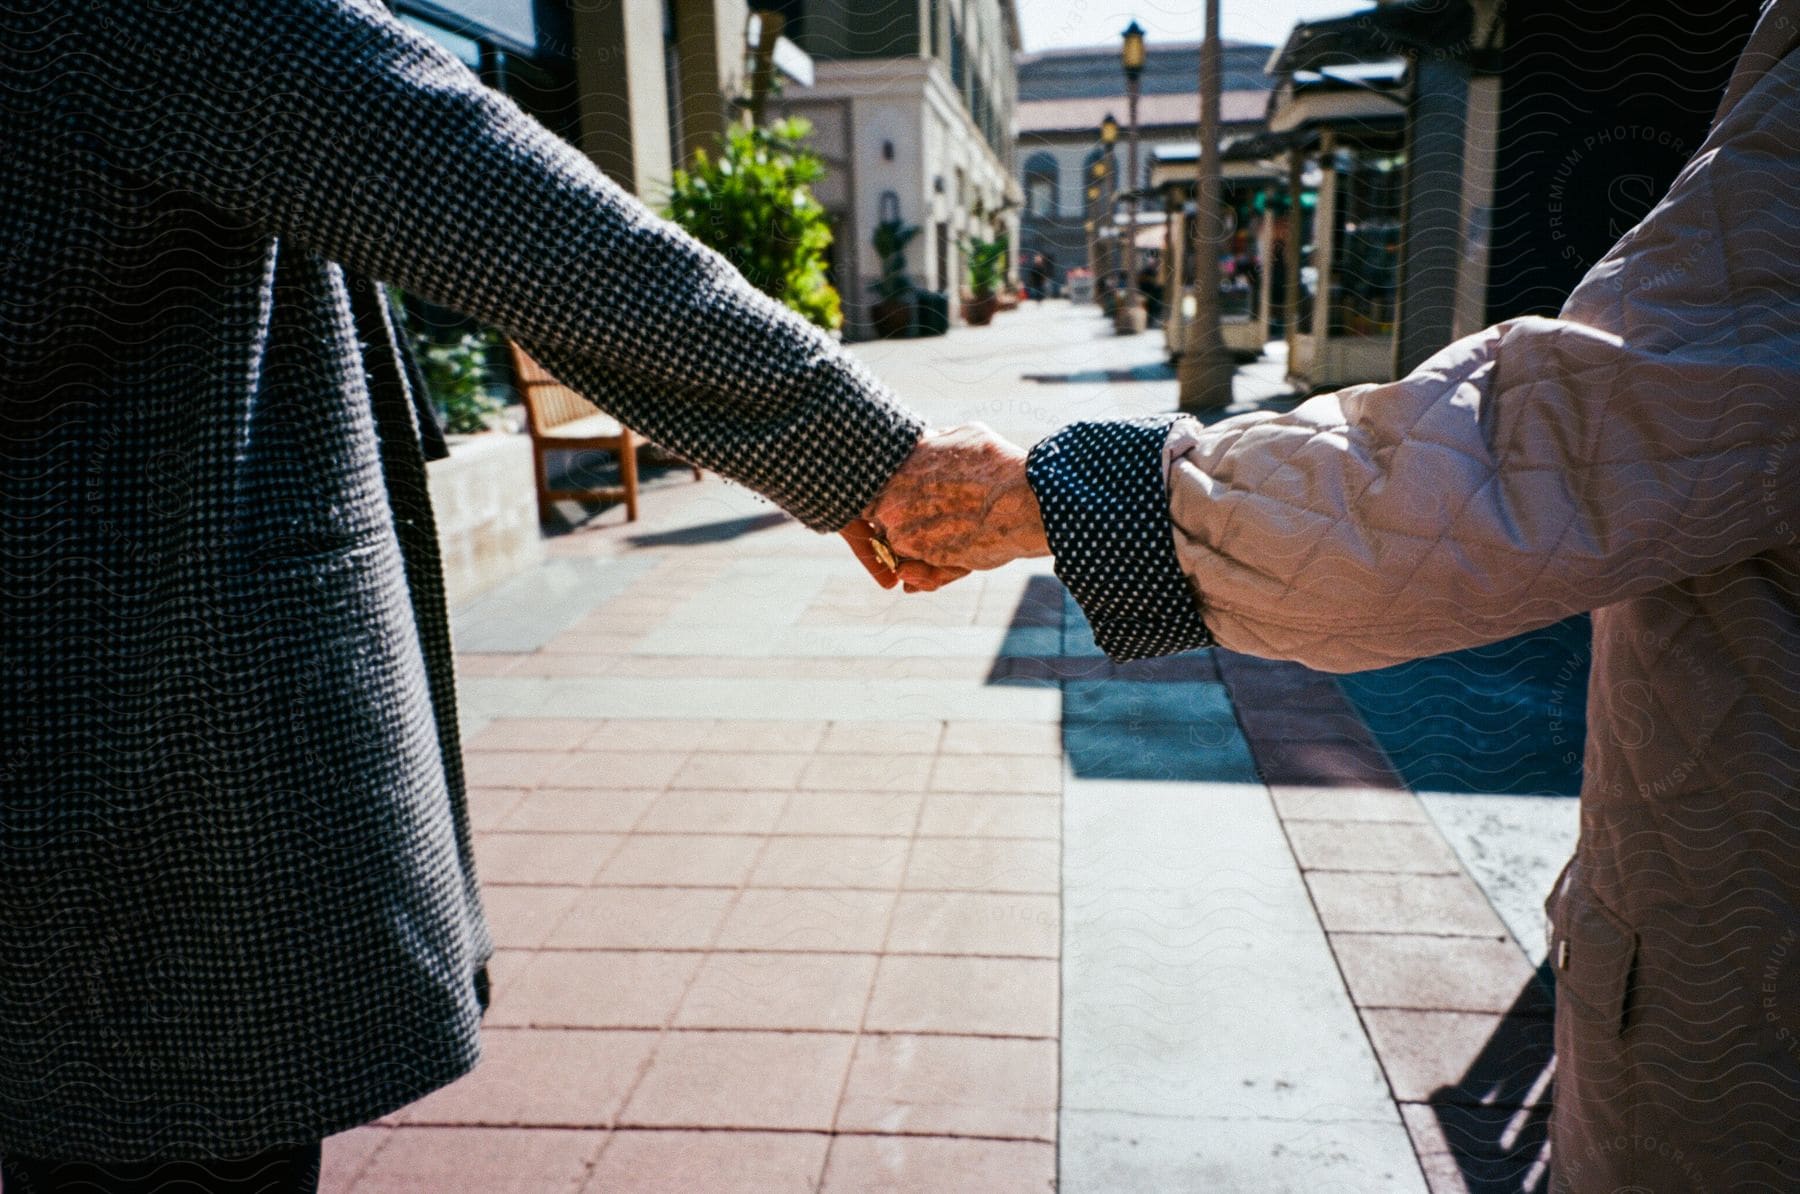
[1109, 204]
[1206, 367]
[1128, 316]
[1096, 179]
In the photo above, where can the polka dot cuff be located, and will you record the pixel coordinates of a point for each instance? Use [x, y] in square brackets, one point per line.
[1106, 513]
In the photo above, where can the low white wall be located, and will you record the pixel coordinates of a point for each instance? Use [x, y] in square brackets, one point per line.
[485, 500]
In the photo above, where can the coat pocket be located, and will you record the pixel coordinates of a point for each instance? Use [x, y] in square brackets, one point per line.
[1592, 952]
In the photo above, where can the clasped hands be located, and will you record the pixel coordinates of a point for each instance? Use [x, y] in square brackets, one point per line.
[959, 504]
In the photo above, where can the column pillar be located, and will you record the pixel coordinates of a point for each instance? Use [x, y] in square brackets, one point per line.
[624, 102]
[1430, 223]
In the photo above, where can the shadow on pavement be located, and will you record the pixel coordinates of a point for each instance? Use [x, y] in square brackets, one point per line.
[1496, 1119]
[1506, 718]
[710, 532]
[1155, 371]
[1156, 719]
[600, 470]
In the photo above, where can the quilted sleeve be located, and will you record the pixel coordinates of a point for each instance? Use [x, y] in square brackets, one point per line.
[328, 124]
[1650, 436]
[1540, 468]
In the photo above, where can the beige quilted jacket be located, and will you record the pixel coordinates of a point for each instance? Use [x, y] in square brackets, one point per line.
[1638, 457]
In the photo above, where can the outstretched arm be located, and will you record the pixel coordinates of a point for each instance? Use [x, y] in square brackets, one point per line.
[1537, 469]
[328, 124]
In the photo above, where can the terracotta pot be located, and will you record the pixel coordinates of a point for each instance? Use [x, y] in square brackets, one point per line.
[892, 317]
[1130, 319]
[979, 310]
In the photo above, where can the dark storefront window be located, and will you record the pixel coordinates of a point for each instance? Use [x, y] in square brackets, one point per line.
[1366, 242]
[522, 49]
[519, 47]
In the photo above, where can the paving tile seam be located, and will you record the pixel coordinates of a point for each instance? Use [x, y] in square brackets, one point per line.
[662, 1032]
[1063, 921]
[387, 1137]
[1500, 938]
[891, 837]
[1150, 1117]
[1464, 1102]
[862, 1022]
[794, 953]
[765, 1030]
[603, 792]
[982, 890]
[1390, 874]
[1449, 1096]
[1294, 852]
[721, 1129]
[1440, 1009]
[1543, 1017]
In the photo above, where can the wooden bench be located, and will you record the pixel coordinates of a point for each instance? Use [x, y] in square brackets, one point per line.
[563, 421]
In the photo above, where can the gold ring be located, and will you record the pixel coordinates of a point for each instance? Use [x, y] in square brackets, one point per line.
[884, 553]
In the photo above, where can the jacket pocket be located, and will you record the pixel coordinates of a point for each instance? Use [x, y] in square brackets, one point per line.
[1592, 952]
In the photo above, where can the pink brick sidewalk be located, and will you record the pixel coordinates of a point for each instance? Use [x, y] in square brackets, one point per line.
[752, 955]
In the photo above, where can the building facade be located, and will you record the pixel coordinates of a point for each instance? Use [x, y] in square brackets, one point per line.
[912, 104]
[638, 85]
[1474, 158]
[1063, 97]
[912, 107]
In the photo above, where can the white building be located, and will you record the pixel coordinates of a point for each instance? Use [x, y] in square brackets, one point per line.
[1063, 97]
[912, 108]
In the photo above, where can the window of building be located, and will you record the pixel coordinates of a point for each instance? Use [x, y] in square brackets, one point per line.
[1041, 184]
[465, 48]
[526, 62]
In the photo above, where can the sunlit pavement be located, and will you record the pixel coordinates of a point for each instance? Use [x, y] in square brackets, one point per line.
[800, 885]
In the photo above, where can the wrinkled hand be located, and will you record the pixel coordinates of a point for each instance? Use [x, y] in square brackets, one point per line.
[960, 503]
[918, 576]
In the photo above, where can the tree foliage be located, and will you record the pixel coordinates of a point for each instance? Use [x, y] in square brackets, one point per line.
[752, 201]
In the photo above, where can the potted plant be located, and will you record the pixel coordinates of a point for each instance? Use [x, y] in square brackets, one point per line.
[456, 376]
[892, 311]
[986, 264]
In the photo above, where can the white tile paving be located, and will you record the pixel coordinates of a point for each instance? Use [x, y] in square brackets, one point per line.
[1208, 1042]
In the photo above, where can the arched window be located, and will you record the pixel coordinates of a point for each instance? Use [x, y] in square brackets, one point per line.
[1041, 198]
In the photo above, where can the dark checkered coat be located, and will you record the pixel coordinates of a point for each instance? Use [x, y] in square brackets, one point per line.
[236, 901]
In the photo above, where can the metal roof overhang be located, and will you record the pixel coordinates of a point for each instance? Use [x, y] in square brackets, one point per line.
[1310, 101]
[1385, 31]
[1245, 158]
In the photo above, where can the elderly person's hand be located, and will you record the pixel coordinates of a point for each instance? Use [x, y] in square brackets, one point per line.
[960, 503]
[873, 552]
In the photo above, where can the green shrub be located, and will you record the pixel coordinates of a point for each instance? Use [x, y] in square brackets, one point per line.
[456, 377]
[986, 265]
[453, 361]
[753, 203]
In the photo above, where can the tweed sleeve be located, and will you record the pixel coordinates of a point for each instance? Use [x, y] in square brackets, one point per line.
[329, 125]
[1100, 489]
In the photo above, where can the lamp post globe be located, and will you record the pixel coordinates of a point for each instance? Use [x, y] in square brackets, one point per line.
[1131, 53]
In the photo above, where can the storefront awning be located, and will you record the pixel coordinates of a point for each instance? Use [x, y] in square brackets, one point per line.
[1386, 31]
